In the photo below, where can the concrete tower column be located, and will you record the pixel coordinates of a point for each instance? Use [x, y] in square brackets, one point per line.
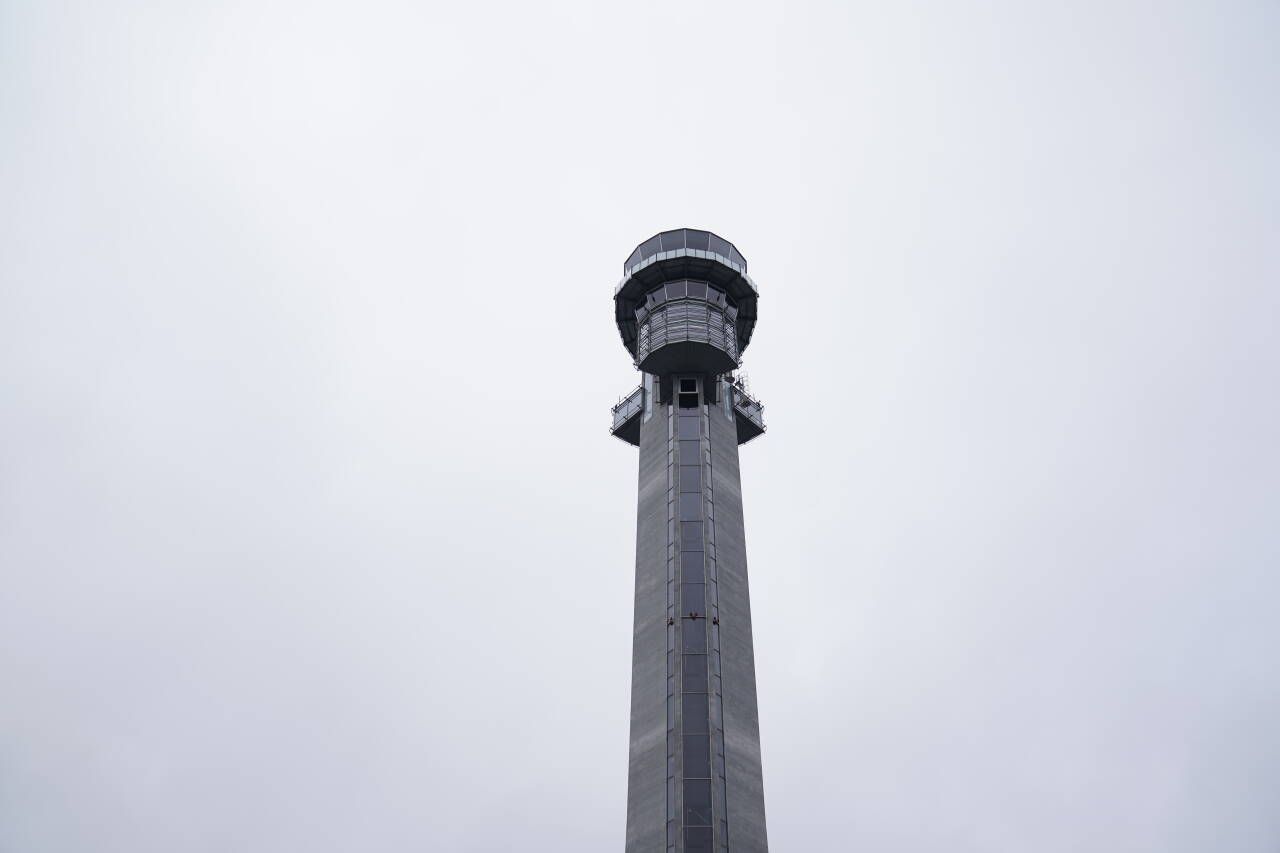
[686, 309]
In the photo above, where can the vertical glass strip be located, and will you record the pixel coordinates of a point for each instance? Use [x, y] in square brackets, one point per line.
[700, 763]
[672, 675]
[720, 815]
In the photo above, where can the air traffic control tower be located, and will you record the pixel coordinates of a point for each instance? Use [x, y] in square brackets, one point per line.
[686, 308]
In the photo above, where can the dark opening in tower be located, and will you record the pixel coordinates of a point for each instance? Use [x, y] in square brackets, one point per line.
[688, 396]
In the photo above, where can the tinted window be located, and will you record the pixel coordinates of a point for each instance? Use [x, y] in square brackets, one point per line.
[697, 757]
[690, 478]
[691, 536]
[690, 385]
[691, 506]
[672, 240]
[698, 289]
[649, 247]
[697, 840]
[717, 245]
[695, 673]
[697, 803]
[695, 713]
[675, 290]
[689, 452]
[696, 239]
[688, 427]
[691, 567]
[693, 599]
[695, 643]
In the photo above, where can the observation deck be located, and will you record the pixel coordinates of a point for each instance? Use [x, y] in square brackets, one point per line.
[686, 303]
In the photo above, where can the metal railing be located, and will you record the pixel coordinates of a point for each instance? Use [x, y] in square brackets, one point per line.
[749, 407]
[628, 408]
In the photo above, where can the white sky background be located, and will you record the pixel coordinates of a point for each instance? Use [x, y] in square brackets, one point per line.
[312, 534]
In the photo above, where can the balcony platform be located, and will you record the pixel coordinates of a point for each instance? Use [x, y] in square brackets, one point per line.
[748, 416]
[748, 413]
[626, 417]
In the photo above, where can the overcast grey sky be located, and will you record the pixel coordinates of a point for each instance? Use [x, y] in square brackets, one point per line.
[312, 534]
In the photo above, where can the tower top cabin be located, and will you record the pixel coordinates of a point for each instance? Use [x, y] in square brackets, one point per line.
[685, 304]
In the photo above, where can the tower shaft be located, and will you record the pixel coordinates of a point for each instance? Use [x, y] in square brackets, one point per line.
[695, 779]
[695, 783]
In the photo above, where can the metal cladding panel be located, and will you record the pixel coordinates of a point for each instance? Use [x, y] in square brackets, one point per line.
[647, 777]
[744, 779]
